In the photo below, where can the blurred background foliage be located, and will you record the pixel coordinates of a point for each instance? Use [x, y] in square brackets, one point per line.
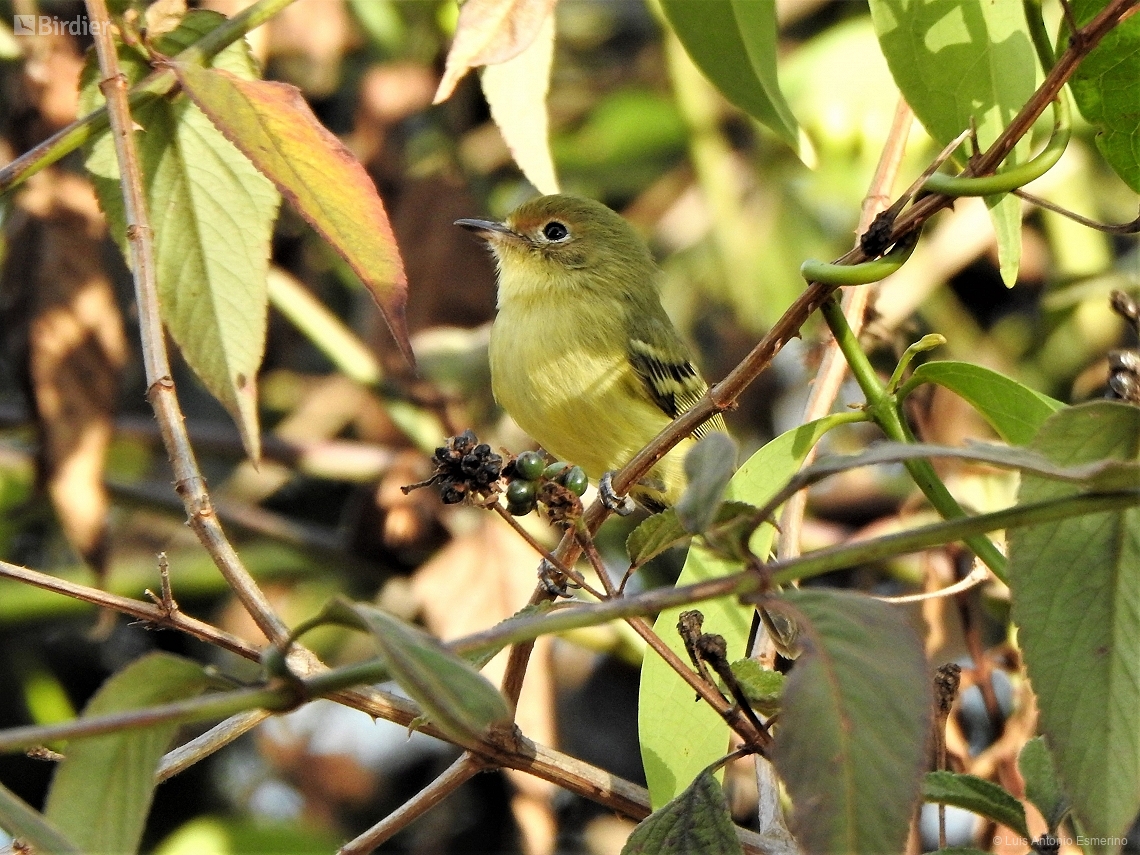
[731, 213]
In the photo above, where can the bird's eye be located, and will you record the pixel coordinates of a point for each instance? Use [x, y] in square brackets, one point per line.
[555, 231]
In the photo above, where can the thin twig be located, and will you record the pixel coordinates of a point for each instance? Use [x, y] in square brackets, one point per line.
[456, 775]
[200, 747]
[189, 483]
[165, 600]
[734, 717]
[1130, 228]
[150, 613]
[975, 577]
[569, 572]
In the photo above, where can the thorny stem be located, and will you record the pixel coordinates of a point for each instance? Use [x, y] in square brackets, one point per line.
[188, 480]
[150, 613]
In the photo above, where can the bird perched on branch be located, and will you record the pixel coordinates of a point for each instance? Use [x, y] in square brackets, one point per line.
[583, 356]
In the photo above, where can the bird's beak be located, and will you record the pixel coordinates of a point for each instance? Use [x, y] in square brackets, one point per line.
[486, 229]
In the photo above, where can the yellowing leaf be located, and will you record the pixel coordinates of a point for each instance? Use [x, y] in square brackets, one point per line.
[212, 214]
[516, 93]
[489, 32]
[271, 124]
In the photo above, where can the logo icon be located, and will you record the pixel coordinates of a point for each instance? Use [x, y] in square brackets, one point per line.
[24, 25]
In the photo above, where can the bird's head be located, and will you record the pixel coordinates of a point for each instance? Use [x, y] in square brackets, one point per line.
[565, 243]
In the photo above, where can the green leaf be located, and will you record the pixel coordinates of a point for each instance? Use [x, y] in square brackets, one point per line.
[102, 790]
[324, 183]
[1014, 411]
[733, 42]
[696, 821]
[664, 530]
[708, 466]
[1075, 589]
[976, 795]
[958, 61]
[1041, 785]
[217, 834]
[854, 720]
[761, 686]
[655, 535]
[456, 698]
[29, 827]
[1106, 90]
[212, 215]
[665, 706]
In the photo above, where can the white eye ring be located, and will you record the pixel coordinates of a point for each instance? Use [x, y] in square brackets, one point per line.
[555, 231]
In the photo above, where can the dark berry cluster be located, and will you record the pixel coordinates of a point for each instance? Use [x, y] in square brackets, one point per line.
[467, 469]
[464, 468]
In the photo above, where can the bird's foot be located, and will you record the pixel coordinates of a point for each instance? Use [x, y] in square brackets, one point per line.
[623, 506]
[556, 583]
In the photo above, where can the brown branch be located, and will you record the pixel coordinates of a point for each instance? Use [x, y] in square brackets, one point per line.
[733, 716]
[154, 614]
[189, 483]
[723, 395]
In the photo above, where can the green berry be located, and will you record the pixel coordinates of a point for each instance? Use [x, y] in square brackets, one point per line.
[520, 510]
[521, 493]
[554, 469]
[529, 465]
[574, 479]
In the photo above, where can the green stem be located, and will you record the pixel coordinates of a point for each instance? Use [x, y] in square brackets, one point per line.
[206, 708]
[860, 274]
[155, 85]
[927, 342]
[1018, 176]
[1039, 34]
[571, 617]
[883, 408]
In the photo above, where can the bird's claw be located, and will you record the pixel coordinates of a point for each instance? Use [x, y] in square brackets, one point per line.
[554, 580]
[623, 506]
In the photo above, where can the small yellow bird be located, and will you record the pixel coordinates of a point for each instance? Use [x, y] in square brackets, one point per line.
[583, 356]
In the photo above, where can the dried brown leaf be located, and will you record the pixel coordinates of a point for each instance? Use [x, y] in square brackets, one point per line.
[46, 96]
[490, 31]
[66, 330]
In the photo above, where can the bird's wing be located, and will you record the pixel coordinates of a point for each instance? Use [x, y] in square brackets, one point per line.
[671, 380]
